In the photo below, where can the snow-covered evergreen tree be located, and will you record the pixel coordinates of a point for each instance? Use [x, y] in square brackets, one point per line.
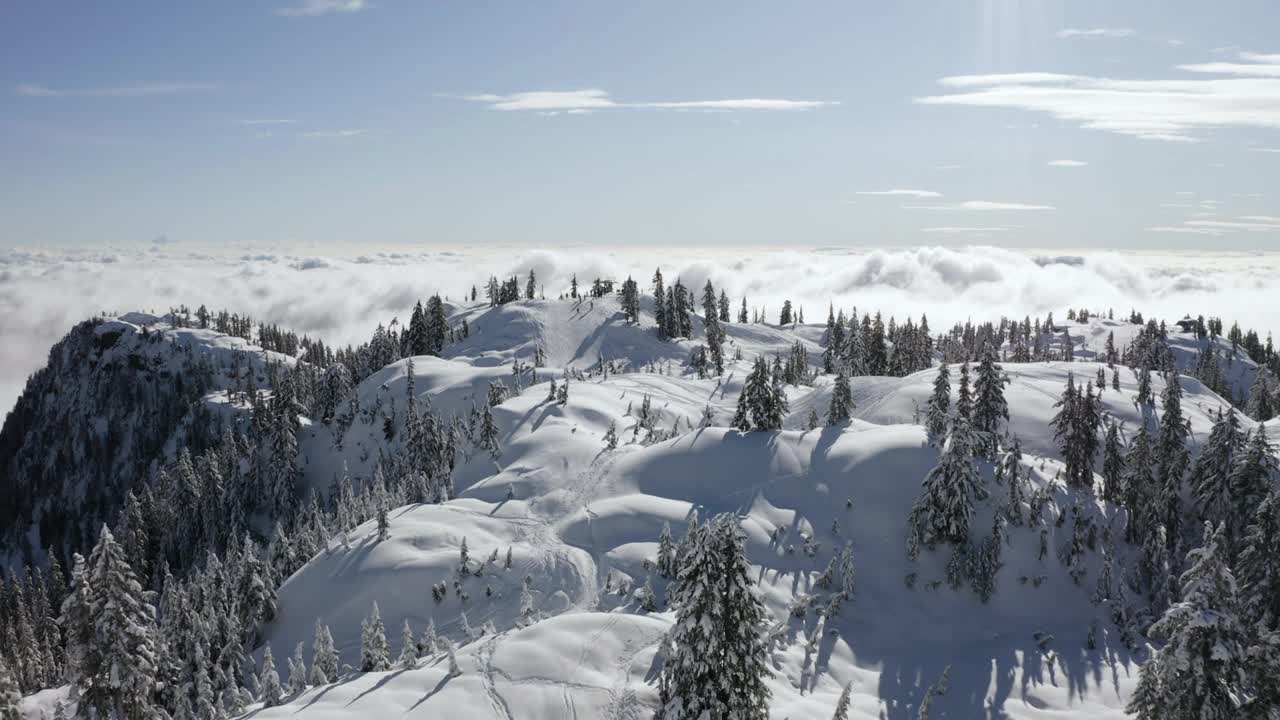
[116, 671]
[374, 656]
[1252, 477]
[944, 509]
[841, 408]
[408, 648]
[990, 407]
[324, 658]
[1209, 478]
[939, 402]
[10, 695]
[297, 672]
[718, 661]
[1199, 674]
[269, 691]
[1172, 457]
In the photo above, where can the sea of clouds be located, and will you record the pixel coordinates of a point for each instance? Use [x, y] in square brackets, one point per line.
[341, 294]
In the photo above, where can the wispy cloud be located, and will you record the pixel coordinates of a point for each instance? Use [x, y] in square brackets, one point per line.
[898, 192]
[1267, 150]
[311, 8]
[1095, 32]
[138, 90]
[1167, 110]
[970, 231]
[1067, 163]
[329, 134]
[981, 206]
[267, 121]
[1242, 224]
[577, 101]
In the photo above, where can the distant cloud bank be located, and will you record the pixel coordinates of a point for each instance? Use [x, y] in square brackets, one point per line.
[341, 296]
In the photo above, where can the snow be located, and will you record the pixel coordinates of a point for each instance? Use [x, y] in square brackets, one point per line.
[576, 516]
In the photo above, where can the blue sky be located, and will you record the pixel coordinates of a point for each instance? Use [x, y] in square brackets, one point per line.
[552, 123]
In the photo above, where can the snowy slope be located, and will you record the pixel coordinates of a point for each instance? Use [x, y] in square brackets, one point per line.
[581, 521]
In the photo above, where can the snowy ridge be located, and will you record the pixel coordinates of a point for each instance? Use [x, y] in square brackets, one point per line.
[580, 522]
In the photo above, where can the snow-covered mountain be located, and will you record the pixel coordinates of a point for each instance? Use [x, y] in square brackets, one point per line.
[540, 565]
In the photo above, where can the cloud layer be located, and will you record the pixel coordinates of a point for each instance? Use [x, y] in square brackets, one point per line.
[341, 295]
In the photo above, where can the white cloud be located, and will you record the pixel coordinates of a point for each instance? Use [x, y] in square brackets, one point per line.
[898, 192]
[348, 290]
[597, 99]
[268, 121]
[1067, 163]
[311, 8]
[1095, 32]
[1267, 150]
[326, 134]
[138, 90]
[981, 206]
[1165, 110]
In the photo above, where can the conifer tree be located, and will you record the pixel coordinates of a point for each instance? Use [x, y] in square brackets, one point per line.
[944, 509]
[1172, 457]
[1009, 471]
[990, 408]
[119, 665]
[373, 644]
[718, 662]
[964, 398]
[1113, 465]
[1200, 671]
[1259, 573]
[324, 658]
[297, 672]
[269, 691]
[489, 433]
[1259, 407]
[1140, 489]
[939, 402]
[1253, 475]
[842, 705]
[841, 408]
[1209, 479]
[408, 649]
[10, 695]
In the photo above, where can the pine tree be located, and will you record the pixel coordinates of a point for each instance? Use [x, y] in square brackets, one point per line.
[939, 402]
[1259, 407]
[1113, 465]
[990, 408]
[1200, 672]
[842, 705]
[1209, 477]
[1259, 573]
[764, 397]
[489, 433]
[944, 509]
[718, 663]
[10, 695]
[841, 400]
[1075, 427]
[1140, 490]
[1009, 471]
[120, 663]
[324, 658]
[297, 672]
[408, 649]
[269, 690]
[1252, 476]
[964, 399]
[373, 644]
[1172, 457]
[384, 525]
